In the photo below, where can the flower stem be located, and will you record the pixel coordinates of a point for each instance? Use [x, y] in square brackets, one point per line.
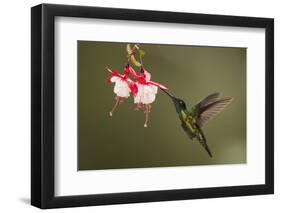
[146, 115]
[114, 107]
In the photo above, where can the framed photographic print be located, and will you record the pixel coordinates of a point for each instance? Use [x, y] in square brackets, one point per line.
[139, 106]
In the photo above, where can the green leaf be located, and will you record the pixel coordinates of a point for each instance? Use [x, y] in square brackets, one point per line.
[134, 61]
[129, 49]
[141, 52]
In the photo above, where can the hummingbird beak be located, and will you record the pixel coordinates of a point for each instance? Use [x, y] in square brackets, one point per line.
[174, 99]
[169, 94]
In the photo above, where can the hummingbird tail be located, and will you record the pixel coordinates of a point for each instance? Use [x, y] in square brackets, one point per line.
[204, 144]
[202, 140]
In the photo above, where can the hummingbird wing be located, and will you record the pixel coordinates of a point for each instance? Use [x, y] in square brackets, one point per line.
[208, 100]
[209, 107]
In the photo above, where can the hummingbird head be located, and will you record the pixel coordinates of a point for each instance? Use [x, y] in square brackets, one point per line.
[179, 104]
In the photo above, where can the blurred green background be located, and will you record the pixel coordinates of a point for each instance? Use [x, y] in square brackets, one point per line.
[190, 72]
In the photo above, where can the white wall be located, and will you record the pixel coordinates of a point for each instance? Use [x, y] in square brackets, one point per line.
[15, 105]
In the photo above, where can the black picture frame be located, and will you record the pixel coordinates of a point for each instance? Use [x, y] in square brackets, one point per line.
[43, 113]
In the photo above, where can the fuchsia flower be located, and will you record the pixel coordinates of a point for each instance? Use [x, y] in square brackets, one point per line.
[144, 90]
[123, 86]
[147, 91]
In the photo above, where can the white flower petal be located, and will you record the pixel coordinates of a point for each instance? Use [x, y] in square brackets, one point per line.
[121, 88]
[146, 94]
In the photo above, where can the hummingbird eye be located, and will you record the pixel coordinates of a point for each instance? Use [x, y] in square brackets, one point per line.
[182, 104]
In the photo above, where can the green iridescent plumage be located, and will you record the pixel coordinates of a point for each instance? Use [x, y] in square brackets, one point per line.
[193, 120]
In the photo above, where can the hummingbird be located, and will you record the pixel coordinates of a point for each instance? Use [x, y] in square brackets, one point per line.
[192, 120]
